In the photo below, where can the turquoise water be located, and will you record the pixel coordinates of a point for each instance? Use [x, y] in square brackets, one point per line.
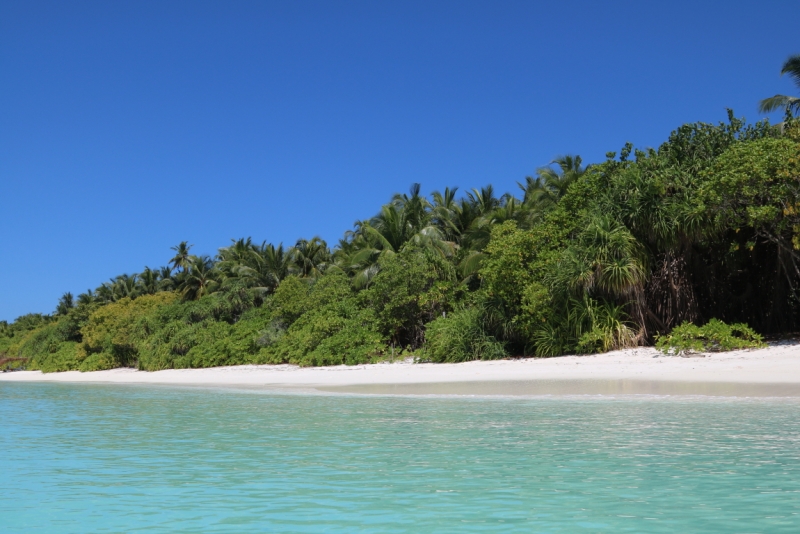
[91, 458]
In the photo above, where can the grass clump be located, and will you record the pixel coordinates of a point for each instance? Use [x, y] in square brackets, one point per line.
[714, 336]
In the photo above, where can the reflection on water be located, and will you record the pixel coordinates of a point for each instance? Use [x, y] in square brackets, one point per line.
[80, 458]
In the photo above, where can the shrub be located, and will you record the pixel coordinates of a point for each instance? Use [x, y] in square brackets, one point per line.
[585, 326]
[108, 336]
[49, 348]
[60, 357]
[461, 337]
[338, 333]
[715, 336]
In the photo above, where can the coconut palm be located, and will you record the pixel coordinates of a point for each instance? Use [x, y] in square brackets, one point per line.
[408, 221]
[84, 299]
[310, 258]
[414, 207]
[791, 104]
[484, 199]
[444, 213]
[181, 258]
[276, 262]
[65, 304]
[148, 282]
[546, 189]
[201, 278]
[258, 267]
[122, 286]
[237, 260]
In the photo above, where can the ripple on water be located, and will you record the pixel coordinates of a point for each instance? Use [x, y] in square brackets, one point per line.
[134, 458]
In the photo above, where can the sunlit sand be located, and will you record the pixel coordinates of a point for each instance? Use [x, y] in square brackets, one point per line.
[774, 371]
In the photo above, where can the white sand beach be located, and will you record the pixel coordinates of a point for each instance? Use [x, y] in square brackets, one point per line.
[773, 371]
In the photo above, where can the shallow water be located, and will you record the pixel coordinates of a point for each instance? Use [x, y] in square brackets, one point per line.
[96, 458]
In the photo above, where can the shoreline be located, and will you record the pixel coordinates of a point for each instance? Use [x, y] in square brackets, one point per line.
[773, 371]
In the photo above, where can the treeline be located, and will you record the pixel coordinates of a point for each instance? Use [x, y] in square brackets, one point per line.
[584, 259]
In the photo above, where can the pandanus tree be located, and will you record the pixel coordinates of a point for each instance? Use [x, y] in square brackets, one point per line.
[597, 287]
[790, 104]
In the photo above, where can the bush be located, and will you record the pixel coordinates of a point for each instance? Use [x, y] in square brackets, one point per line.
[188, 335]
[62, 357]
[715, 336]
[585, 326]
[338, 333]
[49, 348]
[411, 289]
[108, 336]
[461, 337]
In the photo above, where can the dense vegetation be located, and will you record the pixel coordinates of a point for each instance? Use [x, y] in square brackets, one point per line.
[586, 259]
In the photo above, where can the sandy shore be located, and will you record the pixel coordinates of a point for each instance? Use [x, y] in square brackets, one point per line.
[774, 371]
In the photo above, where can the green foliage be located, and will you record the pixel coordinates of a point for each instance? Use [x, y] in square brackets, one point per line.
[217, 329]
[108, 336]
[49, 348]
[592, 259]
[411, 289]
[714, 336]
[328, 325]
[24, 324]
[56, 358]
[584, 325]
[516, 296]
[334, 334]
[461, 336]
[756, 185]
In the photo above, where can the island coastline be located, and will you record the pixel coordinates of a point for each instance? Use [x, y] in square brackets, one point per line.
[772, 371]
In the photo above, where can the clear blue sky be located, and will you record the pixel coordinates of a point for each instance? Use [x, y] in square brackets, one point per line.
[126, 127]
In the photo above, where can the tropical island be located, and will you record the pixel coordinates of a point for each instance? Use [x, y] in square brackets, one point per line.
[692, 246]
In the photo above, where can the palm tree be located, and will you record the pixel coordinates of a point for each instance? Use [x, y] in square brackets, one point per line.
[148, 282]
[201, 278]
[791, 104]
[309, 258]
[544, 191]
[408, 221]
[276, 262]
[65, 304]
[444, 213]
[84, 299]
[117, 288]
[484, 200]
[263, 267]
[181, 258]
[415, 207]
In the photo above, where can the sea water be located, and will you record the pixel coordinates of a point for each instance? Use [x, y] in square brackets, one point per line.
[103, 458]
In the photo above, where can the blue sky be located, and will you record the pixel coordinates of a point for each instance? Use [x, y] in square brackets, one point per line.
[127, 127]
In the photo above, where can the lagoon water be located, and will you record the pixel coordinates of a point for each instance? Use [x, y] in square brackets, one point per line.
[98, 458]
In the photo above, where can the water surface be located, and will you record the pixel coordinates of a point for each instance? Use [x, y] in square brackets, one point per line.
[97, 458]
